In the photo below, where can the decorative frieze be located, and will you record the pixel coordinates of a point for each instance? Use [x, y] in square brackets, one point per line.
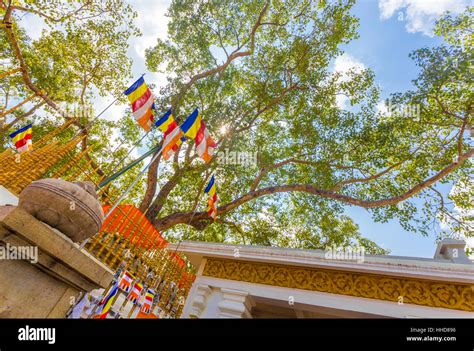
[399, 290]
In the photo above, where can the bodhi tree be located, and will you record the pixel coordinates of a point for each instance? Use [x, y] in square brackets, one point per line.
[260, 72]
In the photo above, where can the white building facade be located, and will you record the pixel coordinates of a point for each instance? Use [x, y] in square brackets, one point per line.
[265, 282]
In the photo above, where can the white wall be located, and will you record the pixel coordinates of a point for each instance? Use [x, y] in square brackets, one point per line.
[7, 198]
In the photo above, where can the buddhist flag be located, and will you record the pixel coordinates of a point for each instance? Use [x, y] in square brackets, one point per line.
[146, 307]
[173, 136]
[142, 101]
[135, 293]
[22, 138]
[126, 281]
[212, 202]
[107, 302]
[194, 128]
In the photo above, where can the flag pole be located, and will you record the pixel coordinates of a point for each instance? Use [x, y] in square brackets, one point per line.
[125, 193]
[128, 154]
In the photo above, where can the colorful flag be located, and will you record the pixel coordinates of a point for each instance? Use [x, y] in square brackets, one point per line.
[212, 202]
[173, 136]
[107, 301]
[205, 145]
[194, 128]
[126, 281]
[146, 307]
[192, 124]
[135, 293]
[22, 138]
[142, 101]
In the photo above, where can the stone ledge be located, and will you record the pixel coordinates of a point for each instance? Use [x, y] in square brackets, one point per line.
[42, 286]
[56, 252]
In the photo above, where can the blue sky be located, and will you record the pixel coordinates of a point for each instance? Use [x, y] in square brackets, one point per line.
[389, 30]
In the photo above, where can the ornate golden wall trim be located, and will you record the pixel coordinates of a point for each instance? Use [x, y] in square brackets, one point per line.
[419, 292]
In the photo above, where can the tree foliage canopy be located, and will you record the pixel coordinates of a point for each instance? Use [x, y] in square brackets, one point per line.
[261, 74]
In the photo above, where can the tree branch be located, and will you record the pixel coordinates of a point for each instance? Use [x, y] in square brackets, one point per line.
[234, 55]
[27, 80]
[152, 177]
[201, 220]
[342, 183]
[19, 118]
[49, 18]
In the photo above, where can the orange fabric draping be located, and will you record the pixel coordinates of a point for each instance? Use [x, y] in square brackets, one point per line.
[131, 223]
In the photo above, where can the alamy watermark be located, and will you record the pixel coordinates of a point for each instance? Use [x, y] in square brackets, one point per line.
[27, 253]
[242, 158]
[351, 253]
[412, 111]
[37, 334]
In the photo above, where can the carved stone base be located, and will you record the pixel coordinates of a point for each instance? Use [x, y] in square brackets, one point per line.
[42, 272]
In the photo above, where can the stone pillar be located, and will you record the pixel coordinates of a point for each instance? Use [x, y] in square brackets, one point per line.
[235, 304]
[197, 302]
[41, 270]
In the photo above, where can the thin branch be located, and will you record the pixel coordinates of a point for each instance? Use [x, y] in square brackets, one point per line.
[461, 136]
[339, 185]
[19, 118]
[443, 107]
[237, 228]
[201, 220]
[53, 19]
[234, 55]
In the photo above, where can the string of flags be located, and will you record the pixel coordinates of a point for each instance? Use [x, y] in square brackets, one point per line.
[193, 128]
[144, 111]
[138, 294]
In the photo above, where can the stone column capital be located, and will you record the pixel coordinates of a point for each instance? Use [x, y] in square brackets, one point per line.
[235, 304]
[199, 300]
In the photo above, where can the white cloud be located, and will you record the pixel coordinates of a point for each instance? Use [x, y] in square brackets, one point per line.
[343, 64]
[34, 25]
[152, 22]
[420, 15]
[346, 62]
